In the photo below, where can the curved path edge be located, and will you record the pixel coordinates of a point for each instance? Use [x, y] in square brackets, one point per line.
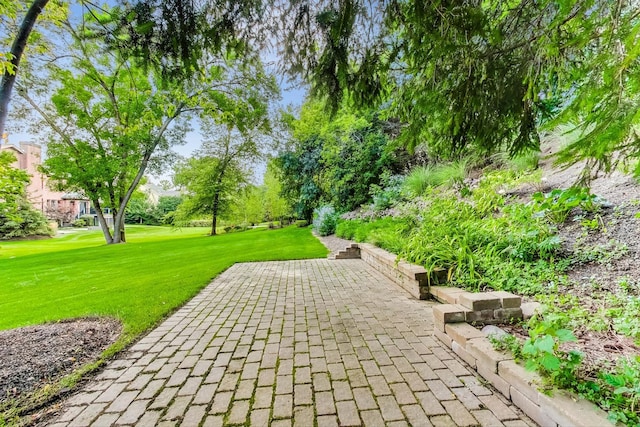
[304, 343]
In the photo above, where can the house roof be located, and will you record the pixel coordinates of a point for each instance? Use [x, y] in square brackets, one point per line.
[74, 196]
[152, 188]
[11, 147]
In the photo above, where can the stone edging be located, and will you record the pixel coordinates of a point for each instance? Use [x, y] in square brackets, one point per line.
[410, 277]
[512, 379]
[471, 345]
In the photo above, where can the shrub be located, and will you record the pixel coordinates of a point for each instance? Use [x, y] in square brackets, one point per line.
[542, 351]
[88, 219]
[388, 233]
[558, 204]
[347, 229]
[79, 223]
[236, 228]
[324, 220]
[24, 223]
[422, 178]
[198, 223]
[418, 181]
[450, 174]
[388, 193]
[476, 238]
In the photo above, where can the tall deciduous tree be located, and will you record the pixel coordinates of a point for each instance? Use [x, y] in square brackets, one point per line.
[28, 12]
[248, 206]
[112, 120]
[217, 172]
[300, 170]
[276, 206]
[14, 57]
[334, 160]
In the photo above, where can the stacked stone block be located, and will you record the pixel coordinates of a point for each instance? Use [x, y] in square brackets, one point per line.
[350, 252]
[412, 278]
[482, 307]
[451, 326]
[498, 368]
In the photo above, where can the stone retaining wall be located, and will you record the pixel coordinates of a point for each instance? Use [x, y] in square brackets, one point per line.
[471, 345]
[511, 379]
[410, 277]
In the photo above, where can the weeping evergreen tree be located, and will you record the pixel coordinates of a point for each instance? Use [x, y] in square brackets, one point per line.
[460, 75]
[479, 75]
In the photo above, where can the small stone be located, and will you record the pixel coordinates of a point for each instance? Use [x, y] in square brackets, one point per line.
[494, 331]
[529, 309]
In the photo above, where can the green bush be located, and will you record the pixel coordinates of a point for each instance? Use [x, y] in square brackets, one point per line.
[388, 193]
[88, 219]
[324, 220]
[418, 181]
[347, 229]
[236, 228]
[198, 223]
[388, 233]
[542, 352]
[558, 204]
[79, 223]
[422, 178]
[620, 391]
[25, 222]
[476, 238]
[450, 174]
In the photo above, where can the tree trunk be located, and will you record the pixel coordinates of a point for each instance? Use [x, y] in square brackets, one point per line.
[214, 220]
[118, 230]
[17, 49]
[103, 222]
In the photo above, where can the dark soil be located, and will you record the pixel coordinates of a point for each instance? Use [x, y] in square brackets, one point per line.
[604, 256]
[35, 356]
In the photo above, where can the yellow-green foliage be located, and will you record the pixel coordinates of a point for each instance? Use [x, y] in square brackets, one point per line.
[477, 237]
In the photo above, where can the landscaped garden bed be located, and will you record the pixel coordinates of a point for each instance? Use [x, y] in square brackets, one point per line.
[34, 359]
[574, 250]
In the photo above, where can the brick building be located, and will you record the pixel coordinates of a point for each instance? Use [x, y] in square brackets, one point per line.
[58, 206]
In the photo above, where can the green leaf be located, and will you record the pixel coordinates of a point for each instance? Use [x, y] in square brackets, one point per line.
[529, 348]
[621, 390]
[565, 335]
[545, 344]
[550, 362]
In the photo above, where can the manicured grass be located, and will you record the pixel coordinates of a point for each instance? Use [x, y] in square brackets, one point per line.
[139, 282]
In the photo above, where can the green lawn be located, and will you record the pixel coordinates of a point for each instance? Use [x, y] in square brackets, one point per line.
[139, 282]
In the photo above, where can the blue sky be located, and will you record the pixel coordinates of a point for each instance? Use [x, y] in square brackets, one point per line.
[293, 96]
[290, 96]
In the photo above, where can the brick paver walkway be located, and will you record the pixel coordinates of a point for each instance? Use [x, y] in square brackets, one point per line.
[303, 343]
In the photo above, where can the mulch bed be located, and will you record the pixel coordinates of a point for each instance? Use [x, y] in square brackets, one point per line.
[34, 356]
